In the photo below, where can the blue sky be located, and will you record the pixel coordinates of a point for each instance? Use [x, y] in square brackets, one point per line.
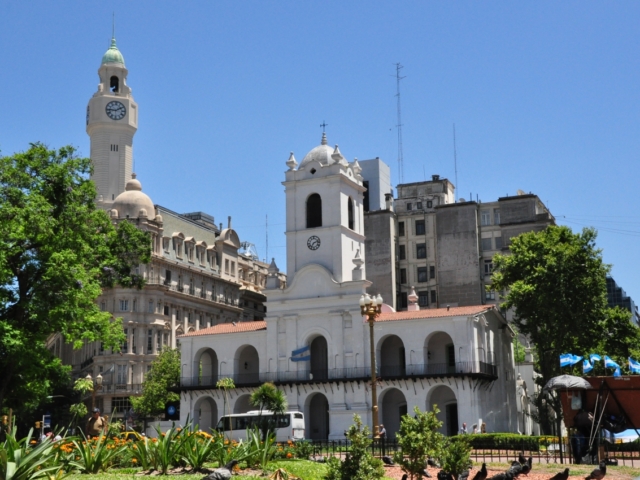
[545, 97]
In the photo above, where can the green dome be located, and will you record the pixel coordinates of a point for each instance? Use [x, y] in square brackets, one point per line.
[113, 55]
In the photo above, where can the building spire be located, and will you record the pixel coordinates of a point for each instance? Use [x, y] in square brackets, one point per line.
[324, 138]
[113, 26]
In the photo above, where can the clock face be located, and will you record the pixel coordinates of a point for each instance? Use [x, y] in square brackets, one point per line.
[116, 110]
[313, 243]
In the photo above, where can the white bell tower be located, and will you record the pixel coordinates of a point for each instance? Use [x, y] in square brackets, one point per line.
[325, 221]
[112, 120]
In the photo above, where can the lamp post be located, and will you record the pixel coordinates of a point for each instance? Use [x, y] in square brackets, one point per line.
[371, 308]
[97, 385]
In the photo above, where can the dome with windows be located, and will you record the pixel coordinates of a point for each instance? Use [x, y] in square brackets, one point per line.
[113, 55]
[322, 154]
[132, 203]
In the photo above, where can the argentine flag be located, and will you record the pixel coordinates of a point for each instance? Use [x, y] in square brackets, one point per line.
[634, 366]
[594, 357]
[608, 363]
[569, 359]
[586, 366]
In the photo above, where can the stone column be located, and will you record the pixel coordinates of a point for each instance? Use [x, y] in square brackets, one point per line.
[174, 314]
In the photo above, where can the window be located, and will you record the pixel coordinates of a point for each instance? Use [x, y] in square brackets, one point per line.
[149, 341]
[159, 342]
[133, 340]
[167, 277]
[403, 276]
[488, 267]
[402, 252]
[365, 196]
[429, 203]
[409, 206]
[350, 212]
[485, 217]
[226, 266]
[496, 216]
[103, 306]
[314, 211]
[114, 84]
[120, 404]
[489, 295]
[420, 229]
[166, 310]
[401, 229]
[434, 296]
[134, 305]
[451, 356]
[423, 299]
[150, 309]
[422, 274]
[402, 300]
[419, 206]
[421, 250]
[498, 241]
[486, 243]
[124, 305]
[125, 345]
[233, 269]
[432, 271]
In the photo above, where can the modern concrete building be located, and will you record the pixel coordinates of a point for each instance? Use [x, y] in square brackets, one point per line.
[425, 357]
[199, 275]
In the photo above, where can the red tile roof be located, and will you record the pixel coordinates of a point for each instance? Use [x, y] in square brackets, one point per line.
[228, 328]
[435, 313]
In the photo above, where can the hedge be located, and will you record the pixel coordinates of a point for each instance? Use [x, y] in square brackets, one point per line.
[510, 441]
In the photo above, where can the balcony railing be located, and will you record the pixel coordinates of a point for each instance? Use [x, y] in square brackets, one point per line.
[433, 370]
[191, 291]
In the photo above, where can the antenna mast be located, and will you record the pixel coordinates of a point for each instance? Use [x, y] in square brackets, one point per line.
[455, 161]
[399, 126]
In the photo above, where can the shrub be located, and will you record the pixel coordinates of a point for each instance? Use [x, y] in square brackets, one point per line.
[94, 455]
[20, 461]
[303, 449]
[358, 464]
[509, 441]
[456, 456]
[418, 439]
[198, 448]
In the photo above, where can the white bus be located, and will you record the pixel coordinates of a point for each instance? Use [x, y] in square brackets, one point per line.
[288, 426]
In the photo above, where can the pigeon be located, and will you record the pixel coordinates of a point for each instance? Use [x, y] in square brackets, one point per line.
[387, 460]
[598, 473]
[482, 474]
[521, 458]
[464, 475]
[432, 463]
[503, 476]
[425, 473]
[525, 469]
[561, 476]
[229, 466]
[530, 463]
[405, 477]
[516, 469]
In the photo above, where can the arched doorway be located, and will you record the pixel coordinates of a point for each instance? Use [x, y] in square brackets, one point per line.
[247, 365]
[440, 354]
[317, 417]
[205, 413]
[242, 404]
[394, 407]
[445, 399]
[392, 357]
[206, 367]
[319, 352]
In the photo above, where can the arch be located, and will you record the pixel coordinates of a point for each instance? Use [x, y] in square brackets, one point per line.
[314, 211]
[439, 354]
[114, 84]
[393, 362]
[205, 413]
[447, 403]
[317, 417]
[319, 363]
[242, 404]
[394, 407]
[350, 213]
[247, 365]
[205, 366]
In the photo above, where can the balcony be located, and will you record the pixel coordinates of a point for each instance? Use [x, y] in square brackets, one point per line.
[192, 291]
[476, 370]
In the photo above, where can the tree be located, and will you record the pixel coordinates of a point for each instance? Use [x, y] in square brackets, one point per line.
[359, 463]
[57, 252]
[419, 438]
[225, 384]
[156, 393]
[556, 285]
[268, 397]
[456, 455]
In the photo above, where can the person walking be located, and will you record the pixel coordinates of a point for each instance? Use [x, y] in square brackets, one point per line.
[96, 424]
[463, 429]
[383, 439]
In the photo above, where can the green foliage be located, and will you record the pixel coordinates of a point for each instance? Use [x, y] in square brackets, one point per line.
[419, 438]
[143, 453]
[168, 448]
[198, 449]
[556, 284]
[164, 374]
[57, 252]
[262, 451]
[94, 455]
[21, 461]
[268, 397]
[303, 449]
[456, 456]
[507, 441]
[358, 464]
[226, 384]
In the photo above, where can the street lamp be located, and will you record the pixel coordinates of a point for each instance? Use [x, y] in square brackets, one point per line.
[371, 308]
[97, 385]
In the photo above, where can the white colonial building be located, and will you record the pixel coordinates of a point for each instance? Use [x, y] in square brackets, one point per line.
[314, 344]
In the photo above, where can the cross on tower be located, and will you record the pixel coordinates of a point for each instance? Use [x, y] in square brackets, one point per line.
[323, 125]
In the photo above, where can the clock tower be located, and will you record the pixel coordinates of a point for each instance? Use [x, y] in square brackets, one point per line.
[112, 120]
